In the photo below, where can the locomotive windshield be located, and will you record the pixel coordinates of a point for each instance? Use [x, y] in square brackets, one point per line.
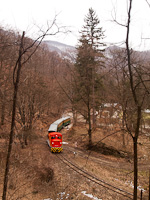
[54, 137]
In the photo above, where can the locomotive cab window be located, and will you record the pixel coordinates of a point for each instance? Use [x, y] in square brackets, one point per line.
[53, 137]
[59, 137]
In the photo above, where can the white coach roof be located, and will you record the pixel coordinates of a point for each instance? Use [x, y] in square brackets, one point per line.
[53, 127]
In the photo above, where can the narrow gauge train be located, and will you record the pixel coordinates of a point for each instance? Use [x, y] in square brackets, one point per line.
[54, 136]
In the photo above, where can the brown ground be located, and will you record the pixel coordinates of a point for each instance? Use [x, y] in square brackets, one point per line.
[38, 174]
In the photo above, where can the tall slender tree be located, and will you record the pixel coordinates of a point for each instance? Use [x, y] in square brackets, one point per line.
[88, 63]
[92, 31]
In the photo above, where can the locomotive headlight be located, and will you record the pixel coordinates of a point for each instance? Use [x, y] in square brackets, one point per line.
[52, 142]
[60, 142]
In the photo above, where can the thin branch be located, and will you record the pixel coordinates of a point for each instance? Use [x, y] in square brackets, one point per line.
[147, 3]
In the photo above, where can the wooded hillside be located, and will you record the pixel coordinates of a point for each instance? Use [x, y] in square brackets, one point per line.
[99, 88]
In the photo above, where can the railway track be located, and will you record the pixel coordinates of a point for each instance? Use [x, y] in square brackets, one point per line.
[94, 179]
[105, 162]
[118, 191]
[100, 159]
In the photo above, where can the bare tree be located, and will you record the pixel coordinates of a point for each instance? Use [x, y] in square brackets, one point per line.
[26, 51]
[135, 93]
[136, 102]
[16, 81]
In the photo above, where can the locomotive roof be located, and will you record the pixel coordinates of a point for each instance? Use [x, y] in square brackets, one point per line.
[55, 133]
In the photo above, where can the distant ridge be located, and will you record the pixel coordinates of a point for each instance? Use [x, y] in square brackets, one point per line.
[69, 52]
[58, 46]
[64, 50]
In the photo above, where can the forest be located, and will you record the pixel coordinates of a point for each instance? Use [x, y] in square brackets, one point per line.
[102, 88]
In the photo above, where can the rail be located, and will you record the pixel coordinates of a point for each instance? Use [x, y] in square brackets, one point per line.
[95, 179]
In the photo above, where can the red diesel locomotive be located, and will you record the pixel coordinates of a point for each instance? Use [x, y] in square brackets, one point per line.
[55, 141]
[54, 137]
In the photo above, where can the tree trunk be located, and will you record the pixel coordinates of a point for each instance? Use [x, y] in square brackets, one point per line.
[135, 167]
[3, 109]
[90, 129]
[94, 118]
[16, 82]
[74, 116]
[149, 184]
[123, 133]
[2, 114]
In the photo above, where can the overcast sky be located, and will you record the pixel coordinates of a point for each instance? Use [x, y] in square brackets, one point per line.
[26, 15]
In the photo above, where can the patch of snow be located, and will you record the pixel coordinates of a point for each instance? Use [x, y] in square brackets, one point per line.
[131, 184]
[146, 126]
[147, 135]
[61, 194]
[147, 111]
[48, 199]
[109, 105]
[90, 195]
[64, 142]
